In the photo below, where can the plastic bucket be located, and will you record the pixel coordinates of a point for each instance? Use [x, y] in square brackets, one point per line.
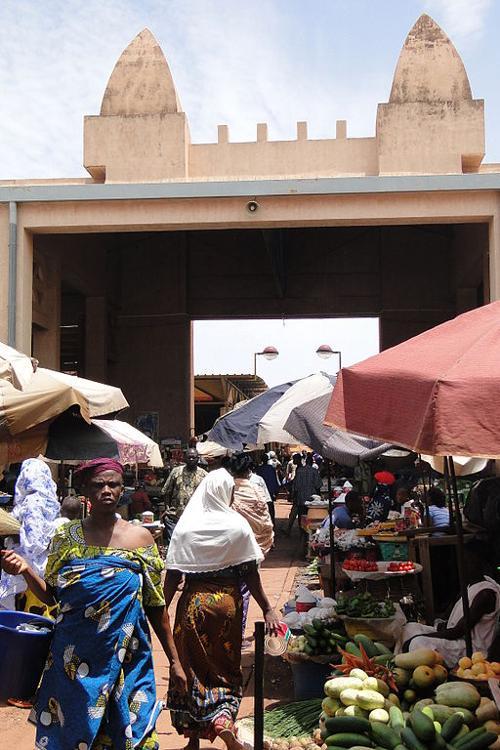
[309, 679]
[22, 654]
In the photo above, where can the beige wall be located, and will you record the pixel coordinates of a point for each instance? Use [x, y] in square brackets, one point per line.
[4, 271]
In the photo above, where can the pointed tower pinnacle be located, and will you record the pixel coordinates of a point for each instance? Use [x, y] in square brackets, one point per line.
[141, 82]
[429, 68]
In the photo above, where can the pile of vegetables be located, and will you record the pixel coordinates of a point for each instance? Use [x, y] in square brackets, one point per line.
[320, 638]
[292, 720]
[477, 667]
[365, 606]
[417, 673]
[289, 727]
[360, 712]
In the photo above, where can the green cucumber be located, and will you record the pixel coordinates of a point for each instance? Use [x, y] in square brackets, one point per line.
[459, 741]
[411, 740]
[438, 743]
[355, 724]
[382, 649]
[352, 649]
[442, 713]
[397, 719]
[384, 735]
[367, 643]
[383, 659]
[348, 739]
[423, 726]
[451, 727]
[479, 742]
[309, 630]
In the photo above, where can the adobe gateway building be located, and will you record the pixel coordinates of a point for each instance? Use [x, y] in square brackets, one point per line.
[105, 275]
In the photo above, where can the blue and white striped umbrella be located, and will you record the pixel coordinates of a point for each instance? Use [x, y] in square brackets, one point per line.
[261, 419]
[294, 412]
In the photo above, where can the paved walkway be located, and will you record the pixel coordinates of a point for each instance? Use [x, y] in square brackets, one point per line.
[278, 573]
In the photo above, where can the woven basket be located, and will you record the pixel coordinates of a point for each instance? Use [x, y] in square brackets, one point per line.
[8, 524]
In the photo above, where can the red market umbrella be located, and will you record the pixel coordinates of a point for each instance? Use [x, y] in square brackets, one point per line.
[437, 393]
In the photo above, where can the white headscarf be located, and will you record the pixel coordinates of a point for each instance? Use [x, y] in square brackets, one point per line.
[36, 507]
[210, 535]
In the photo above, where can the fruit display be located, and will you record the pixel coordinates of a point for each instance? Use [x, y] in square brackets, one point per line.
[417, 673]
[401, 567]
[359, 713]
[362, 565]
[365, 606]
[320, 638]
[477, 667]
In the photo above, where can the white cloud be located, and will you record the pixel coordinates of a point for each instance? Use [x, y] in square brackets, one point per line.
[462, 20]
[233, 63]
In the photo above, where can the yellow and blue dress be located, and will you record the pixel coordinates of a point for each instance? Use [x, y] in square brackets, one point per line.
[98, 688]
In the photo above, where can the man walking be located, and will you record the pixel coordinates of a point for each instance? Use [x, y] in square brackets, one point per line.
[179, 488]
[307, 482]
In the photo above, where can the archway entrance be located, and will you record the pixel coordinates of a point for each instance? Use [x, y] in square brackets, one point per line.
[138, 293]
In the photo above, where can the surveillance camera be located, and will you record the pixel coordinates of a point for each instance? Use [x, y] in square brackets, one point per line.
[252, 206]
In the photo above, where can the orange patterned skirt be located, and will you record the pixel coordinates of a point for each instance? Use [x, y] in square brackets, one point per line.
[207, 635]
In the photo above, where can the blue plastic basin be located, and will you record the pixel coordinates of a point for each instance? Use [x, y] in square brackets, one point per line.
[22, 654]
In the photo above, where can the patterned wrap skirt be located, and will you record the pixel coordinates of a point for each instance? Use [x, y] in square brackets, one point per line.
[207, 635]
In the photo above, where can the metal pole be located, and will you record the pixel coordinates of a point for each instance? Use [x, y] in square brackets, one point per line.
[332, 531]
[426, 499]
[340, 360]
[258, 710]
[460, 559]
[449, 493]
[255, 364]
[12, 319]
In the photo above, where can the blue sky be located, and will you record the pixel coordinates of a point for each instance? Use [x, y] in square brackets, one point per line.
[236, 63]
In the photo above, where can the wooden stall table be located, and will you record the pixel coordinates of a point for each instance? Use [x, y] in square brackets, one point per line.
[420, 542]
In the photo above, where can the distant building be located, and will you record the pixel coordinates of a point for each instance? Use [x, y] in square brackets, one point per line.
[104, 276]
[214, 395]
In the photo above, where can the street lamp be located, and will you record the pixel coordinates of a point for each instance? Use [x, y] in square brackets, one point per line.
[325, 351]
[270, 352]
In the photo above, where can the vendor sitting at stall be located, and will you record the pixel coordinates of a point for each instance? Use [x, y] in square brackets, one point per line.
[380, 504]
[405, 506]
[449, 640]
[349, 514]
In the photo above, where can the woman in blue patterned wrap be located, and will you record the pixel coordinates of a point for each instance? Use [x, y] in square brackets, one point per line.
[98, 687]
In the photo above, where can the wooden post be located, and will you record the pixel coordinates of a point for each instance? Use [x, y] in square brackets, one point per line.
[258, 710]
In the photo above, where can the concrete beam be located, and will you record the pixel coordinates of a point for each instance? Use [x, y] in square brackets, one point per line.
[250, 188]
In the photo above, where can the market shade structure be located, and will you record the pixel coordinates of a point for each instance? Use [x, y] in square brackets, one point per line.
[15, 366]
[261, 419]
[209, 449]
[306, 423]
[70, 438]
[437, 393]
[25, 415]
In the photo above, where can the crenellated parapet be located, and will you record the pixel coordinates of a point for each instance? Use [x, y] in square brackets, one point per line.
[430, 125]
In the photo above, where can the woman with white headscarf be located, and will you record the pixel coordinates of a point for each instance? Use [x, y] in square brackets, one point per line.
[214, 548]
[36, 507]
